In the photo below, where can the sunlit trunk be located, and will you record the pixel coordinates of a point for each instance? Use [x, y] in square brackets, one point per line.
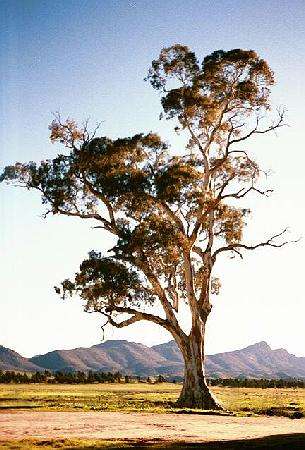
[195, 392]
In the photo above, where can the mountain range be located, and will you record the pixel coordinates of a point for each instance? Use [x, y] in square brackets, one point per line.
[255, 361]
[10, 360]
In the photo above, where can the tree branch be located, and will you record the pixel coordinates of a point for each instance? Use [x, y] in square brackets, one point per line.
[207, 170]
[279, 123]
[243, 192]
[106, 202]
[167, 307]
[106, 224]
[124, 323]
[189, 282]
[167, 211]
[136, 316]
[270, 243]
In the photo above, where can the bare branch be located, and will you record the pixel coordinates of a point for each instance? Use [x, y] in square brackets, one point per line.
[277, 124]
[97, 127]
[238, 253]
[239, 151]
[135, 317]
[87, 135]
[243, 192]
[123, 323]
[270, 243]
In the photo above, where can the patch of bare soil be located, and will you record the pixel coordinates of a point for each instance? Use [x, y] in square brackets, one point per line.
[147, 426]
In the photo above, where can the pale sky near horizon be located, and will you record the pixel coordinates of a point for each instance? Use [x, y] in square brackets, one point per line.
[89, 58]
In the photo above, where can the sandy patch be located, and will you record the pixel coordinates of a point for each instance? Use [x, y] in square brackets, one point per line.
[146, 426]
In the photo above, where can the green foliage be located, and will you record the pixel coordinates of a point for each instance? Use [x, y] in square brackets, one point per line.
[105, 282]
[237, 77]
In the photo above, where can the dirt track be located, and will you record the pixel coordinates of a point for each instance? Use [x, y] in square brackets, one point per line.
[167, 427]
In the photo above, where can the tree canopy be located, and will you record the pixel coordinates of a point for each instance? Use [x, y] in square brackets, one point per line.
[173, 214]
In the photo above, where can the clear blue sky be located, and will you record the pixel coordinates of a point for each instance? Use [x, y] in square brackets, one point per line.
[89, 58]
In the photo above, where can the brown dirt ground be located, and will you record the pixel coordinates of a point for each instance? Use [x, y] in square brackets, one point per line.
[146, 426]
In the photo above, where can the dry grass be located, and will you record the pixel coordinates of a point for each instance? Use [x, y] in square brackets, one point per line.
[100, 397]
[146, 397]
[49, 444]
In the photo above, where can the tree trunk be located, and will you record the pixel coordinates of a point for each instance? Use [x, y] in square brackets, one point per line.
[195, 392]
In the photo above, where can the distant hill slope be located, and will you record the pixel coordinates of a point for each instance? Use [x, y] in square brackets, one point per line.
[254, 361]
[117, 355]
[10, 360]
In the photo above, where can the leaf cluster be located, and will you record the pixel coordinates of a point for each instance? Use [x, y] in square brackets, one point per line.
[104, 283]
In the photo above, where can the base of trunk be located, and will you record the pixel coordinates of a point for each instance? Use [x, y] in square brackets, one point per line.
[195, 393]
[198, 398]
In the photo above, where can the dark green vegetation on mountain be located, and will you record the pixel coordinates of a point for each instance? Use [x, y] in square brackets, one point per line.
[254, 361]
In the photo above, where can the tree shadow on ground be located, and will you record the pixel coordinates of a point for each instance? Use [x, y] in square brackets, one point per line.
[277, 442]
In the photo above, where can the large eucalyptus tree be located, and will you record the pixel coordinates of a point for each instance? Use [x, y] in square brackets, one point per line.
[173, 214]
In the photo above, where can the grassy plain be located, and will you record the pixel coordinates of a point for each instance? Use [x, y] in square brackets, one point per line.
[139, 397]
